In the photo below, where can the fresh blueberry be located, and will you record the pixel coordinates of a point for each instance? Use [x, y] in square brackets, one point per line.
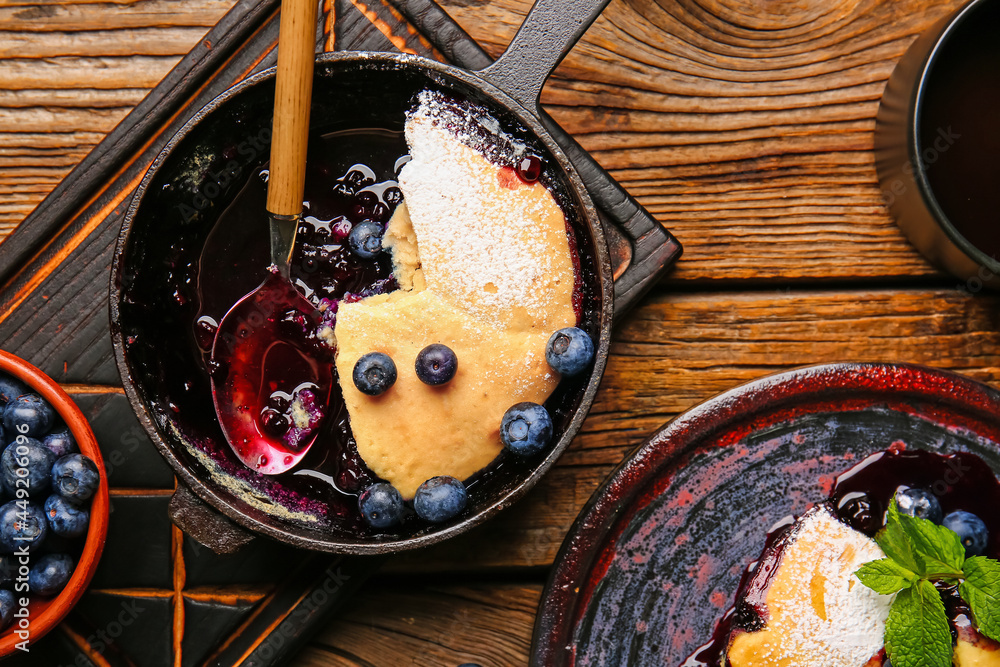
[569, 351]
[436, 364]
[440, 498]
[920, 503]
[21, 526]
[526, 428]
[49, 574]
[374, 373]
[971, 530]
[365, 239]
[28, 414]
[26, 464]
[75, 477]
[381, 505]
[10, 388]
[60, 443]
[6, 608]
[65, 517]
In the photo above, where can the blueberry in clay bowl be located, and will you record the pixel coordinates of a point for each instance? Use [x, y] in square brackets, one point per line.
[53, 504]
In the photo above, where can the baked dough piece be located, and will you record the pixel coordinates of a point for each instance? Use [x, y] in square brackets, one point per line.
[484, 267]
[819, 613]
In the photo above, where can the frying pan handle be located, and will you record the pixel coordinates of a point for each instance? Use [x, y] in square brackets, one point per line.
[549, 31]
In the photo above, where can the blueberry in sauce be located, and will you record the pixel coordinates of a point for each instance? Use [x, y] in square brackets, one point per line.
[392, 195]
[855, 509]
[440, 498]
[526, 428]
[529, 168]
[569, 351]
[365, 239]
[381, 505]
[374, 373]
[970, 529]
[292, 417]
[436, 364]
[273, 422]
[920, 503]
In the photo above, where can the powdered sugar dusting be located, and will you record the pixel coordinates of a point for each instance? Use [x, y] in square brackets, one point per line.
[486, 241]
[820, 613]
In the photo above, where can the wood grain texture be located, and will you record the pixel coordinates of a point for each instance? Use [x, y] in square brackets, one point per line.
[71, 70]
[745, 127]
[404, 624]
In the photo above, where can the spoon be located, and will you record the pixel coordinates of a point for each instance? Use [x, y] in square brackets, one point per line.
[270, 375]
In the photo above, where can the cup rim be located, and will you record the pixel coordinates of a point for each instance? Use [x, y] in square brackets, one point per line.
[952, 24]
[56, 608]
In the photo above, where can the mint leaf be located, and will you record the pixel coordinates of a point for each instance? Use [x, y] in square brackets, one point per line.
[981, 589]
[895, 543]
[937, 548]
[917, 632]
[885, 576]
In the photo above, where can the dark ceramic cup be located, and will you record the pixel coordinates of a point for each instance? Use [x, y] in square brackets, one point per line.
[937, 143]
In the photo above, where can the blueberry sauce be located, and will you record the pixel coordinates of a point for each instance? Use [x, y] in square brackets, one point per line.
[203, 246]
[292, 399]
[861, 498]
[271, 376]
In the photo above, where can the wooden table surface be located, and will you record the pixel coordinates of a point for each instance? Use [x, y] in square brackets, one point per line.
[745, 126]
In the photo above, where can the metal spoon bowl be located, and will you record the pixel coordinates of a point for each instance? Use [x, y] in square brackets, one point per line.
[249, 348]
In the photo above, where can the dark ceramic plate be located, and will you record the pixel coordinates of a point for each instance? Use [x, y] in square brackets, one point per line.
[653, 561]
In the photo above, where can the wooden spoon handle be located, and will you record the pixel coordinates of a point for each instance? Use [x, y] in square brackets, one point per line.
[292, 94]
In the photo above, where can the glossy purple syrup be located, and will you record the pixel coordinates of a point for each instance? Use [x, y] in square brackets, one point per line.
[861, 498]
[271, 376]
[351, 179]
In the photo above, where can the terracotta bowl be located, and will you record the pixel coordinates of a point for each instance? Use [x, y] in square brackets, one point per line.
[45, 614]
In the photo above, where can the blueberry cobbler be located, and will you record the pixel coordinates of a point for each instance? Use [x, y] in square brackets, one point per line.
[447, 302]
